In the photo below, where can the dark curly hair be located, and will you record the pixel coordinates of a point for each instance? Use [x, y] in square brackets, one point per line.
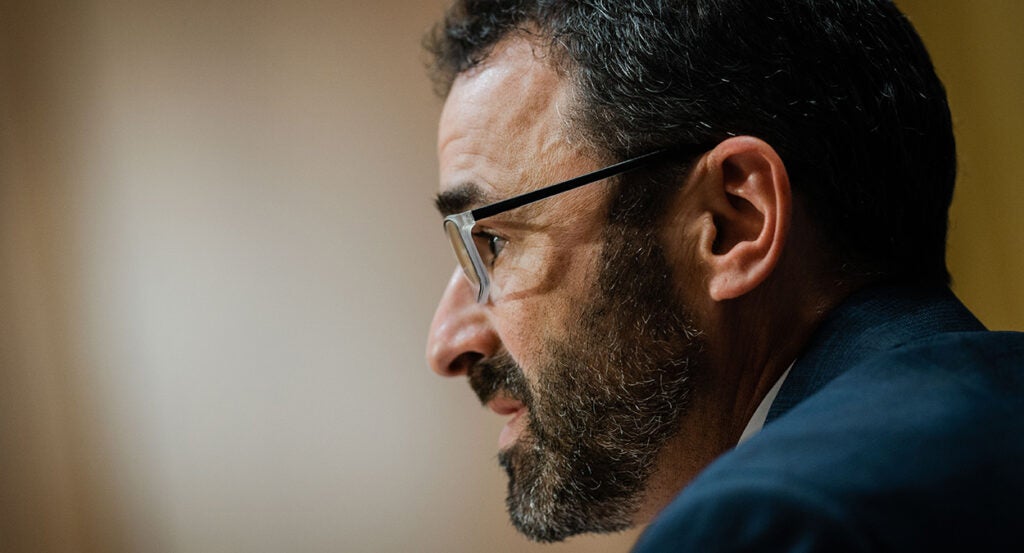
[844, 90]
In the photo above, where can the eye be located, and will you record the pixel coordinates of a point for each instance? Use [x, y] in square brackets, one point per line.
[496, 244]
[489, 246]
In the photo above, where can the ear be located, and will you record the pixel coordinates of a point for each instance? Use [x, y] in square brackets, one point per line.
[747, 204]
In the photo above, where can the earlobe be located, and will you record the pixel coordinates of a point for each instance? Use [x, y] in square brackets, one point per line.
[749, 205]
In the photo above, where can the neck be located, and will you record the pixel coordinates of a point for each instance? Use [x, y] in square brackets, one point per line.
[750, 344]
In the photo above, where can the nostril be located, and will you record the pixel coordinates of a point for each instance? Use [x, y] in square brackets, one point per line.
[462, 363]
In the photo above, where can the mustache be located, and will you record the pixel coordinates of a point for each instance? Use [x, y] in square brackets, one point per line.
[499, 374]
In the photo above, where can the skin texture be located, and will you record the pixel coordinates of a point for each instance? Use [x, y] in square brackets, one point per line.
[734, 264]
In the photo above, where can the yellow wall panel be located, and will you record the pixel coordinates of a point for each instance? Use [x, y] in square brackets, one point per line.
[978, 50]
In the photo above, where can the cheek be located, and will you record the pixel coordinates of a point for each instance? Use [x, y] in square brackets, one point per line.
[522, 329]
[554, 292]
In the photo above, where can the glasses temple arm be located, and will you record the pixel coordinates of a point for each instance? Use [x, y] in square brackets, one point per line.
[547, 191]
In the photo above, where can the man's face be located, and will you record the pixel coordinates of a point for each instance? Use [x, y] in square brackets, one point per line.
[582, 342]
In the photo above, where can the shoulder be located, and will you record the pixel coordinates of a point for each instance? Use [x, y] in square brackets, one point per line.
[754, 513]
[916, 448]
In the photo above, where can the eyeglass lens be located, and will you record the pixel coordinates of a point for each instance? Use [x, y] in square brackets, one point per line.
[461, 253]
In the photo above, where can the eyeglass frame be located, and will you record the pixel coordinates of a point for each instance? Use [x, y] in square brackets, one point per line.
[464, 222]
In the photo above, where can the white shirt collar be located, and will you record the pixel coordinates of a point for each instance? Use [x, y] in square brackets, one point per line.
[760, 415]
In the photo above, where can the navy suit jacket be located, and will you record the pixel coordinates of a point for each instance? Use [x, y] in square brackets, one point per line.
[900, 428]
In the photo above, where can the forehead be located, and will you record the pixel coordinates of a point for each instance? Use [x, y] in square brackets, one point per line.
[503, 123]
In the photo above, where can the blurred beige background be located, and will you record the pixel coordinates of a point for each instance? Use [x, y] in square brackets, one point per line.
[218, 260]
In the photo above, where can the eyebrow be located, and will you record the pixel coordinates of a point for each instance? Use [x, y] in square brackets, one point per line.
[459, 198]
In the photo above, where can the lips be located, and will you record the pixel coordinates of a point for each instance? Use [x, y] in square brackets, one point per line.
[504, 405]
[500, 385]
[514, 427]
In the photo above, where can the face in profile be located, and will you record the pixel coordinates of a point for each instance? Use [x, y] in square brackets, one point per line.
[595, 372]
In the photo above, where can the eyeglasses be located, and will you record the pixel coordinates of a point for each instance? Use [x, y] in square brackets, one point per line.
[459, 227]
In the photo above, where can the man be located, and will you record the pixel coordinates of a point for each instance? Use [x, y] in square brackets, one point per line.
[762, 245]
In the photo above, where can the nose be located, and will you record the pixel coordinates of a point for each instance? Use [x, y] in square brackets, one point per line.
[461, 333]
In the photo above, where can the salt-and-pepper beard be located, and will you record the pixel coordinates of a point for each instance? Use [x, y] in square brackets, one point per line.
[607, 399]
